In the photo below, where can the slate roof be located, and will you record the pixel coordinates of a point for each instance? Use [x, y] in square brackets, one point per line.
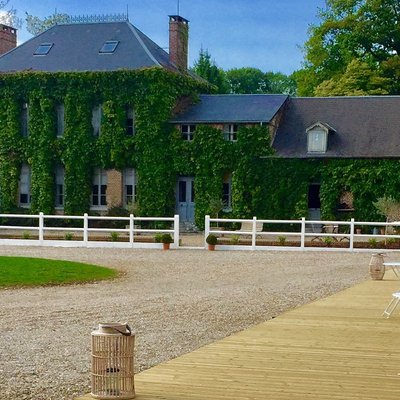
[365, 127]
[233, 108]
[76, 48]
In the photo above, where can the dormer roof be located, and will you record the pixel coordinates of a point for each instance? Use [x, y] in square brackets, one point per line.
[322, 125]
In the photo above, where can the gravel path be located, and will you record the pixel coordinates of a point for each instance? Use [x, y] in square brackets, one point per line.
[175, 301]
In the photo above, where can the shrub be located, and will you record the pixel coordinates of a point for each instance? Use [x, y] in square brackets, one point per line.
[114, 236]
[328, 240]
[158, 237]
[166, 238]
[282, 240]
[68, 236]
[373, 243]
[211, 239]
[26, 235]
[235, 239]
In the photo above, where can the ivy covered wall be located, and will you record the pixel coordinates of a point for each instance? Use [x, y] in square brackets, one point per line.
[262, 183]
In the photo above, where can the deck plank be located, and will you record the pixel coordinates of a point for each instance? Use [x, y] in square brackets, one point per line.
[336, 348]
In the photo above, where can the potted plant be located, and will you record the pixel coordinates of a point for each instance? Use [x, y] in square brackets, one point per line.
[166, 240]
[211, 241]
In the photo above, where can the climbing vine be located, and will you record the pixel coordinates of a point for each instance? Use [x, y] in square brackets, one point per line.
[262, 183]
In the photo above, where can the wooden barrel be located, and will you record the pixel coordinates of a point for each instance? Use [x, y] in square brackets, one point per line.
[376, 267]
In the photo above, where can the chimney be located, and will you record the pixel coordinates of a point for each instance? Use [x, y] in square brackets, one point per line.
[178, 41]
[8, 38]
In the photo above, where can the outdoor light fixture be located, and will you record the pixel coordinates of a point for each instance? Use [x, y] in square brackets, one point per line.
[112, 362]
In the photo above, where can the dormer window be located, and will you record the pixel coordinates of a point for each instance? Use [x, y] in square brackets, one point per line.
[109, 47]
[43, 49]
[317, 137]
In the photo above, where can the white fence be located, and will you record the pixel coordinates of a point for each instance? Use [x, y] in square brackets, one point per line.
[46, 234]
[304, 235]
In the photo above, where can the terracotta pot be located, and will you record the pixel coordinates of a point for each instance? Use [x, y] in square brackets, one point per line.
[166, 246]
[211, 247]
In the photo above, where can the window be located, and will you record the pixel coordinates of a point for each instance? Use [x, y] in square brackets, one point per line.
[227, 193]
[230, 132]
[60, 120]
[109, 47]
[187, 132]
[43, 49]
[59, 182]
[96, 120]
[99, 188]
[317, 140]
[24, 189]
[130, 121]
[24, 120]
[129, 177]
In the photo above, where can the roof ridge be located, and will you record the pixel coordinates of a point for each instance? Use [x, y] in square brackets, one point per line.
[139, 39]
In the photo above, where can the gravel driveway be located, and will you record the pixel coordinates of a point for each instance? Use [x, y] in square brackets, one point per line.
[175, 301]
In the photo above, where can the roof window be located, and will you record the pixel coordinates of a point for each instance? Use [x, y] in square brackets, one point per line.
[43, 49]
[109, 47]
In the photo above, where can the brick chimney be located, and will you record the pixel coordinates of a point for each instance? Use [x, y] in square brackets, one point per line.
[8, 38]
[178, 41]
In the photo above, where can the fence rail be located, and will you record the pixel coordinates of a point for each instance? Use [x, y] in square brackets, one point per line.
[133, 232]
[331, 235]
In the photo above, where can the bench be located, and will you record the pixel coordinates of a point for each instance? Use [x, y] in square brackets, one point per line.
[247, 226]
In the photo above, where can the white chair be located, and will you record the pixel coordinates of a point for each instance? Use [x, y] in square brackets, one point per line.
[392, 305]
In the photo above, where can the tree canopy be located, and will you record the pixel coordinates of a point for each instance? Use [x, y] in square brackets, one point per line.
[9, 16]
[246, 80]
[35, 25]
[352, 34]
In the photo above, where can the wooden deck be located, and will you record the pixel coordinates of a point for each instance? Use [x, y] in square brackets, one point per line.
[336, 348]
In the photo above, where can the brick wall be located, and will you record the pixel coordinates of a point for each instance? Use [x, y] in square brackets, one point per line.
[178, 41]
[8, 38]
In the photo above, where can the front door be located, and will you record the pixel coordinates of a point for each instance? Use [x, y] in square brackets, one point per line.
[314, 206]
[185, 198]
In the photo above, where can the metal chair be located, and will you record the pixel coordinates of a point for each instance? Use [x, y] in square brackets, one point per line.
[392, 305]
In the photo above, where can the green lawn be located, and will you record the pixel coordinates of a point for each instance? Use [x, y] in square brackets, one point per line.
[24, 271]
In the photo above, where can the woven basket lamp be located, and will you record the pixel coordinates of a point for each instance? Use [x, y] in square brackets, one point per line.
[112, 362]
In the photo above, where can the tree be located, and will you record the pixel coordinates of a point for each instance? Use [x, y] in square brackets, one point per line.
[35, 25]
[207, 69]
[359, 79]
[9, 17]
[281, 83]
[247, 80]
[363, 30]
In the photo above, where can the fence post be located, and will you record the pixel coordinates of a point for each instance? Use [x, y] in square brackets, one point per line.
[206, 229]
[176, 230]
[85, 229]
[253, 234]
[351, 247]
[131, 223]
[303, 233]
[41, 225]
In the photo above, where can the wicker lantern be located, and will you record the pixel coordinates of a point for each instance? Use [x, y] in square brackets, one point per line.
[376, 267]
[112, 362]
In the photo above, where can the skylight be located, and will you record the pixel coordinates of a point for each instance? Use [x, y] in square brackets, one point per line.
[43, 49]
[109, 47]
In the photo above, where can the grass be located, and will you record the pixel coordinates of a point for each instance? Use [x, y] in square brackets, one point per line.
[26, 272]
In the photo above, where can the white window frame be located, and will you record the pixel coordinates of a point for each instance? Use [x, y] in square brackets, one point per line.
[317, 140]
[129, 188]
[187, 131]
[99, 190]
[130, 121]
[97, 113]
[59, 180]
[227, 204]
[24, 186]
[230, 132]
[60, 120]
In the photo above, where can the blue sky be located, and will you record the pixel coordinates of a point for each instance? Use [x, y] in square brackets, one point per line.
[265, 34]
